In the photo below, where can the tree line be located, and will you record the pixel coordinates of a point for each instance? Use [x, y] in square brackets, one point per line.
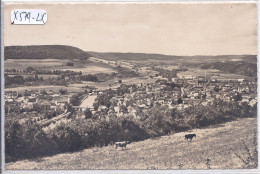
[30, 141]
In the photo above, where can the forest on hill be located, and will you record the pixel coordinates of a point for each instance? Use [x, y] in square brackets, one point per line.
[44, 52]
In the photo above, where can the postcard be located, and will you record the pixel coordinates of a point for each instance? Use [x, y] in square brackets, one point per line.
[130, 86]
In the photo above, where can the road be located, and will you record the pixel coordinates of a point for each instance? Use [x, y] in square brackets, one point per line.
[88, 101]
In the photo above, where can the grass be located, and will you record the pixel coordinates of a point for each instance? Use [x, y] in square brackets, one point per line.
[86, 67]
[36, 63]
[249, 155]
[211, 72]
[44, 76]
[47, 88]
[213, 148]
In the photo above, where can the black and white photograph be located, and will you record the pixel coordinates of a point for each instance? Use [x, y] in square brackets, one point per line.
[130, 86]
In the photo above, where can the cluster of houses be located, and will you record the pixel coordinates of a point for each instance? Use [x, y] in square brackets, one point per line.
[35, 100]
[187, 93]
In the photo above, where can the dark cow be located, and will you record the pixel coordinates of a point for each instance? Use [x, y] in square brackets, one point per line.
[190, 136]
[122, 144]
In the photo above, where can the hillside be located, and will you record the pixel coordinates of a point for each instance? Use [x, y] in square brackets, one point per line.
[235, 67]
[44, 52]
[131, 56]
[184, 59]
[236, 64]
[217, 143]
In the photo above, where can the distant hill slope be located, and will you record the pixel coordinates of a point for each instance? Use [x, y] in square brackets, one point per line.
[131, 56]
[236, 64]
[44, 52]
[184, 59]
[240, 67]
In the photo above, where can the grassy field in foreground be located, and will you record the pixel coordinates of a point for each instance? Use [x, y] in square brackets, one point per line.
[217, 143]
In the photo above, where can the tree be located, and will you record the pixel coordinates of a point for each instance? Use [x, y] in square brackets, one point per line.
[43, 92]
[237, 97]
[69, 107]
[119, 81]
[95, 105]
[29, 69]
[13, 138]
[74, 100]
[88, 113]
[217, 89]
[123, 109]
[62, 91]
[179, 101]
[70, 64]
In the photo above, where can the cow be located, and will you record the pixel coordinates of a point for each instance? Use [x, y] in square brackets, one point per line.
[122, 144]
[190, 136]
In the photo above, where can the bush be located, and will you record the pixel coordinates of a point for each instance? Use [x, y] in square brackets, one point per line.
[25, 141]
[250, 158]
[75, 100]
[70, 64]
[66, 139]
[88, 113]
[13, 138]
[62, 91]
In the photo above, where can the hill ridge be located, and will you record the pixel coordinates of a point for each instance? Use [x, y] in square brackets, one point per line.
[44, 52]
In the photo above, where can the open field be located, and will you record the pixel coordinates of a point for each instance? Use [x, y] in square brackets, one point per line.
[91, 66]
[211, 72]
[116, 56]
[47, 88]
[218, 143]
[44, 76]
[35, 63]
[113, 83]
[89, 69]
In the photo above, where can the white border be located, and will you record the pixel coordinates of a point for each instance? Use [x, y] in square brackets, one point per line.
[243, 171]
[128, 1]
[2, 150]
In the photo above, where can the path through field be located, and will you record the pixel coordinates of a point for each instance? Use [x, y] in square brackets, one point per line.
[217, 143]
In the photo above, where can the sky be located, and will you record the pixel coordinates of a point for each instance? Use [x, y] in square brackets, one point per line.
[164, 28]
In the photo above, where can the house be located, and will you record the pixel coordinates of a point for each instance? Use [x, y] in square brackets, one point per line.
[56, 95]
[142, 106]
[11, 94]
[45, 106]
[80, 108]
[186, 101]
[31, 100]
[102, 108]
[245, 97]
[161, 100]
[148, 89]
[196, 101]
[252, 102]
[120, 99]
[9, 101]
[29, 105]
[186, 76]
[61, 104]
